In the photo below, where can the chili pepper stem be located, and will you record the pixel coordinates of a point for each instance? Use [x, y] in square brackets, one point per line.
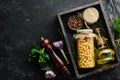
[64, 56]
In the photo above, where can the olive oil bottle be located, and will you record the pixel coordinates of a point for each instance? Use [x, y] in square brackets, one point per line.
[104, 54]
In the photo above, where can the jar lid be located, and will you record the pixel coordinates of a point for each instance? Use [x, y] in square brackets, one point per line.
[91, 15]
[82, 33]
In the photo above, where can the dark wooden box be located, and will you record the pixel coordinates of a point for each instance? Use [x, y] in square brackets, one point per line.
[68, 37]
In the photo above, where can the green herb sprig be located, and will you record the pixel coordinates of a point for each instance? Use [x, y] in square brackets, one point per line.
[116, 25]
[38, 55]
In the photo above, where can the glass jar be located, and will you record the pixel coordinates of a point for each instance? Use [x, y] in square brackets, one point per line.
[85, 48]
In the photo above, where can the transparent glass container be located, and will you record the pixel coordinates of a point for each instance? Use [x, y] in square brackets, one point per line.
[104, 54]
[85, 48]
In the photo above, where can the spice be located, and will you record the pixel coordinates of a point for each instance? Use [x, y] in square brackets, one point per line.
[50, 74]
[74, 22]
[59, 45]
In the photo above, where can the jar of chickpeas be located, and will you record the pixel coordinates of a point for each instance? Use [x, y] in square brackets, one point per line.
[85, 48]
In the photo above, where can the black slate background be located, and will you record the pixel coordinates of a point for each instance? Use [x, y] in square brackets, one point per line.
[23, 23]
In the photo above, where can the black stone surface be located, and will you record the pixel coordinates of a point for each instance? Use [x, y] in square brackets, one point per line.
[23, 23]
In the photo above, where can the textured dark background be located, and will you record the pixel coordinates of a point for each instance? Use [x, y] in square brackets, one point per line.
[23, 22]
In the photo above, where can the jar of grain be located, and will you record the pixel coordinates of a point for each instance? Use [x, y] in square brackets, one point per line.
[85, 48]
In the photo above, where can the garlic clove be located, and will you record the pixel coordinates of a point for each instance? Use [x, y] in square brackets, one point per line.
[50, 74]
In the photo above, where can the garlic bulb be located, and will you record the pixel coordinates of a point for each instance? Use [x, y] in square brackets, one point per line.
[50, 74]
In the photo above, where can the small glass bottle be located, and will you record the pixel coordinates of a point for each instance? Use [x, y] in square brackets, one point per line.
[103, 53]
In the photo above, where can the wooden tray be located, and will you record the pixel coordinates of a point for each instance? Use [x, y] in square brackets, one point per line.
[70, 42]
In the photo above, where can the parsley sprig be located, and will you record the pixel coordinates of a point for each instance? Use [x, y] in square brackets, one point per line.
[38, 55]
[116, 25]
